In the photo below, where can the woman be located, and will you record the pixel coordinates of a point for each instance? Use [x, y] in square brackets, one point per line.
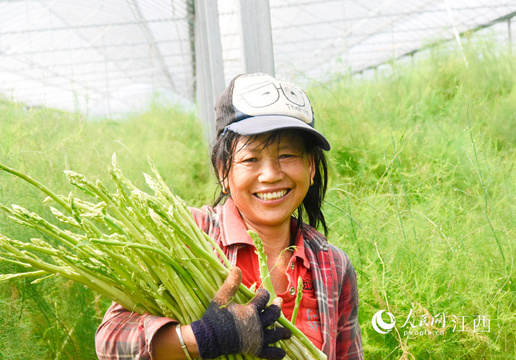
[270, 163]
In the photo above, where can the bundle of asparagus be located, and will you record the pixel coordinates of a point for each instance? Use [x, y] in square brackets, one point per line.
[142, 250]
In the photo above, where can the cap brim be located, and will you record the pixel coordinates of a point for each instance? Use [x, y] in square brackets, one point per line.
[256, 125]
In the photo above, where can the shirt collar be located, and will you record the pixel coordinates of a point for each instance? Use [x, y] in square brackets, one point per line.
[233, 227]
[232, 221]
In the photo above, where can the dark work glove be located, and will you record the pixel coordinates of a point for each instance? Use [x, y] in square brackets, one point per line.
[228, 328]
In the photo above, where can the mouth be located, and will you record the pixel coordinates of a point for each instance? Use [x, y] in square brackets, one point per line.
[274, 195]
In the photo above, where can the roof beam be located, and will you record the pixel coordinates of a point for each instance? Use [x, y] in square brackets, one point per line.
[86, 26]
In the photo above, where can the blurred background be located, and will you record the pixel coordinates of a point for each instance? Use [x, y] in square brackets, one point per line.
[417, 98]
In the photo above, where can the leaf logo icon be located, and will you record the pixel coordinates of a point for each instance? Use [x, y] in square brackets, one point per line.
[381, 326]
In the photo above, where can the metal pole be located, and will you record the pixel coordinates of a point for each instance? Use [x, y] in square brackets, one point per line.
[209, 65]
[190, 8]
[256, 35]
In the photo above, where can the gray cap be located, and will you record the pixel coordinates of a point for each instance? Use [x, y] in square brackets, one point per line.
[258, 103]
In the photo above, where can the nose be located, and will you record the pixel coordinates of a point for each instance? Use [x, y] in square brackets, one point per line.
[270, 171]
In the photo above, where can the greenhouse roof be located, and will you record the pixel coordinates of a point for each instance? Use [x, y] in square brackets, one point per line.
[106, 57]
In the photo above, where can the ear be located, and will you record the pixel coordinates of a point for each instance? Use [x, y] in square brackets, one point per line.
[311, 164]
[223, 182]
[225, 185]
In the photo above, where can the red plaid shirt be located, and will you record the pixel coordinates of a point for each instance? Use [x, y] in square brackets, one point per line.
[126, 335]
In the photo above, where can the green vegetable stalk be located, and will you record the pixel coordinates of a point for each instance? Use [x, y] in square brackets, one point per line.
[299, 295]
[262, 261]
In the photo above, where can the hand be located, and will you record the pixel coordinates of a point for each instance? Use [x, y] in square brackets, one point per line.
[228, 328]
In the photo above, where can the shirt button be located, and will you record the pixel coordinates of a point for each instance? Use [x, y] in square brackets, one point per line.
[292, 291]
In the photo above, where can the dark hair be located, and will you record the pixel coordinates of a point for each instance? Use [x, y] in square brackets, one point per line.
[222, 156]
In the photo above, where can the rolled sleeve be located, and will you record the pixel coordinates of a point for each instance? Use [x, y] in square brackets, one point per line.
[125, 335]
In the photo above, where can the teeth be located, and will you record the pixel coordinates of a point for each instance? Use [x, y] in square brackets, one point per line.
[271, 195]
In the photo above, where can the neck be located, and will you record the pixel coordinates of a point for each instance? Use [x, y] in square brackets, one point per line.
[275, 239]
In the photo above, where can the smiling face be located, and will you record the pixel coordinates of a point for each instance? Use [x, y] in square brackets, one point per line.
[268, 180]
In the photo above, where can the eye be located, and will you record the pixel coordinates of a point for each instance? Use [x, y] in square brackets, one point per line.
[288, 155]
[249, 160]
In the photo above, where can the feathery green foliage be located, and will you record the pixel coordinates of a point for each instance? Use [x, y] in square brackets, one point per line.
[423, 201]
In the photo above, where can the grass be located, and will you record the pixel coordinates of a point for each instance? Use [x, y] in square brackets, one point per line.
[422, 198]
[423, 201]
